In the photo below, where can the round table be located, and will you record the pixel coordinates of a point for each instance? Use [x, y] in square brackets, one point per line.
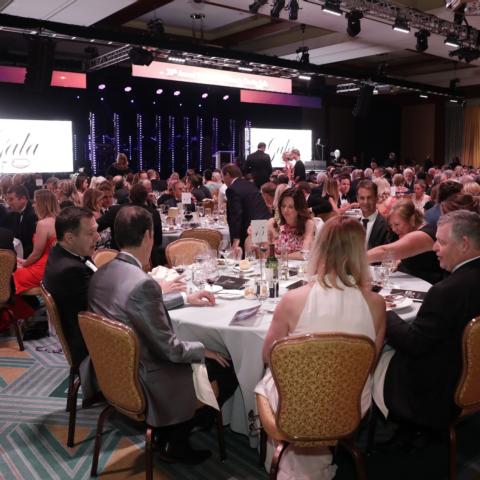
[210, 325]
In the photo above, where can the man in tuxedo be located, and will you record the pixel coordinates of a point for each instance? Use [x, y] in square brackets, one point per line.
[345, 189]
[375, 225]
[259, 165]
[244, 204]
[122, 291]
[299, 172]
[409, 179]
[22, 220]
[423, 371]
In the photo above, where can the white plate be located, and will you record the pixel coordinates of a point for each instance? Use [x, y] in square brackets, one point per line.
[213, 288]
[406, 302]
[230, 294]
[248, 270]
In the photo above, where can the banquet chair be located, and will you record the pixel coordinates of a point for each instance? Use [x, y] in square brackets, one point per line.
[213, 237]
[320, 379]
[114, 350]
[208, 203]
[73, 378]
[467, 393]
[8, 260]
[103, 256]
[188, 248]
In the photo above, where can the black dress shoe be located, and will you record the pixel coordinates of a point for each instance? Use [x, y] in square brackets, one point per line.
[172, 453]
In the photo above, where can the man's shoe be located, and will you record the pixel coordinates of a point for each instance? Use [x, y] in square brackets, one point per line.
[171, 453]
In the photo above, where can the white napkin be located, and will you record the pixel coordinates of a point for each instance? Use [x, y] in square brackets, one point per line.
[202, 385]
[163, 273]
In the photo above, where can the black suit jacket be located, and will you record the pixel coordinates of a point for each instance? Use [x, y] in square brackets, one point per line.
[379, 233]
[244, 204]
[23, 227]
[6, 239]
[299, 173]
[67, 278]
[422, 375]
[259, 165]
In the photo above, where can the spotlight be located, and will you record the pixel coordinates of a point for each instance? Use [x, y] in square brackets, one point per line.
[176, 59]
[422, 40]
[132, 100]
[293, 8]
[254, 7]
[156, 27]
[127, 89]
[332, 7]
[245, 69]
[304, 77]
[159, 91]
[278, 5]
[140, 56]
[304, 55]
[452, 40]
[226, 97]
[204, 95]
[422, 95]
[176, 93]
[353, 22]
[102, 99]
[199, 105]
[466, 53]
[401, 25]
[102, 86]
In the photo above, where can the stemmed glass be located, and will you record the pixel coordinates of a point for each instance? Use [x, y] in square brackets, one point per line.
[263, 249]
[262, 294]
[212, 273]
[198, 275]
[179, 264]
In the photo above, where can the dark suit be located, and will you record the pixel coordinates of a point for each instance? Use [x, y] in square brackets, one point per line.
[259, 165]
[6, 239]
[121, 291]
[422, 375]
[23, 226]
[379, 233]
[299, 173]
[66, 278]
[244, 204]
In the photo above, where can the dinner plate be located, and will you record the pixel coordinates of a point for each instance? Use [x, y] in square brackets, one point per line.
[400, 304]
[213, 288]
[230, 294]
[248, 270]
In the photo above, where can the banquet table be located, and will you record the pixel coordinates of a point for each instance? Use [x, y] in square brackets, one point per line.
[244, 344]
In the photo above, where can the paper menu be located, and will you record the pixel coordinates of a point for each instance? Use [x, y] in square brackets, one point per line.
[259, 231]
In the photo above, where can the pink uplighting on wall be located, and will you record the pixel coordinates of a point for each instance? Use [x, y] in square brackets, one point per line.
[59, 78]
[12, 74]
[210, 76]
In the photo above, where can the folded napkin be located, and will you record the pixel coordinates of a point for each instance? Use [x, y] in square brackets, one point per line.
[244, 317]
[163, 273]
[202, 385]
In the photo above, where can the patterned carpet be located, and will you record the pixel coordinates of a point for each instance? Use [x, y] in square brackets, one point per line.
[33, 431]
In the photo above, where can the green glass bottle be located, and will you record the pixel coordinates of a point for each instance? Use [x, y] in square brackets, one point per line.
[271, 271]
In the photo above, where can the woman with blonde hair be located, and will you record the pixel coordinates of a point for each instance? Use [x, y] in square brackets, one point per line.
[337, 299]
[92, 200]
[120, 167]
[30, 271]
[473, 188]
[67, 193]
[385, 201]
[278, 192]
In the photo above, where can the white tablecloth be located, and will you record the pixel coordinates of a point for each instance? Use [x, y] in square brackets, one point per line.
[210, 325]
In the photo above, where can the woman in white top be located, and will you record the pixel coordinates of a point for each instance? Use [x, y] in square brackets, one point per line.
[339, 299]
[419, 198]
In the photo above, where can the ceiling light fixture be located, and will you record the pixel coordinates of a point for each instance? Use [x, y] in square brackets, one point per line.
[332, 7]
[401, 25]
[255, 6]
[353, 22]
[452, 40]
[422, 40]
[278, 5]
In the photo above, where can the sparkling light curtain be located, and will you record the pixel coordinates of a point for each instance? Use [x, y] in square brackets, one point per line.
[453, 132]
[471, 137]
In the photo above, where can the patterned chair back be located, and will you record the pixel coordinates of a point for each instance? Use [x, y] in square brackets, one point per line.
[54, 318]
[320, 379]
[467, 395]
[188, 248]
[103, 256]
[114, 351]
[211, 236]
[8, 260]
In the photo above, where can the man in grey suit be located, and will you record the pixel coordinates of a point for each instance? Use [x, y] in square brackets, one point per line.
[122, 291]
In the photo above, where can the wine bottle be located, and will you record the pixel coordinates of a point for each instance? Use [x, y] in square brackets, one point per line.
[271, 271]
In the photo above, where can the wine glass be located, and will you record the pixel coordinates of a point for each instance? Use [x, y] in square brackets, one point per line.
[212, 274]
[179, 264]
[262, 292]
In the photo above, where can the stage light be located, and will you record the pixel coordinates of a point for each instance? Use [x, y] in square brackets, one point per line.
[154, 102]
[422, 40]
[176, 59]
[199, 105]
[140, 56]
[159, 91]
[332, 7]
[102, 86]
[254, 7]
[401, 25]
[132, 100]
[353, 22]
[422, 95]
[304, 77]
[127, 89]
[204, 95]
[293, 8]
[278, 5]
[176, 93]
[304, 55]
[452, 40]
[245, 69]
[226, 97]
[102, 99]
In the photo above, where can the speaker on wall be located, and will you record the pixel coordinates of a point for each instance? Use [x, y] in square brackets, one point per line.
[40, 60]
[362, 105]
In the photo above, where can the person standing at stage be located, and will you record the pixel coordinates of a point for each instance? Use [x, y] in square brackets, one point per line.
[299, 173]
[259, 165]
